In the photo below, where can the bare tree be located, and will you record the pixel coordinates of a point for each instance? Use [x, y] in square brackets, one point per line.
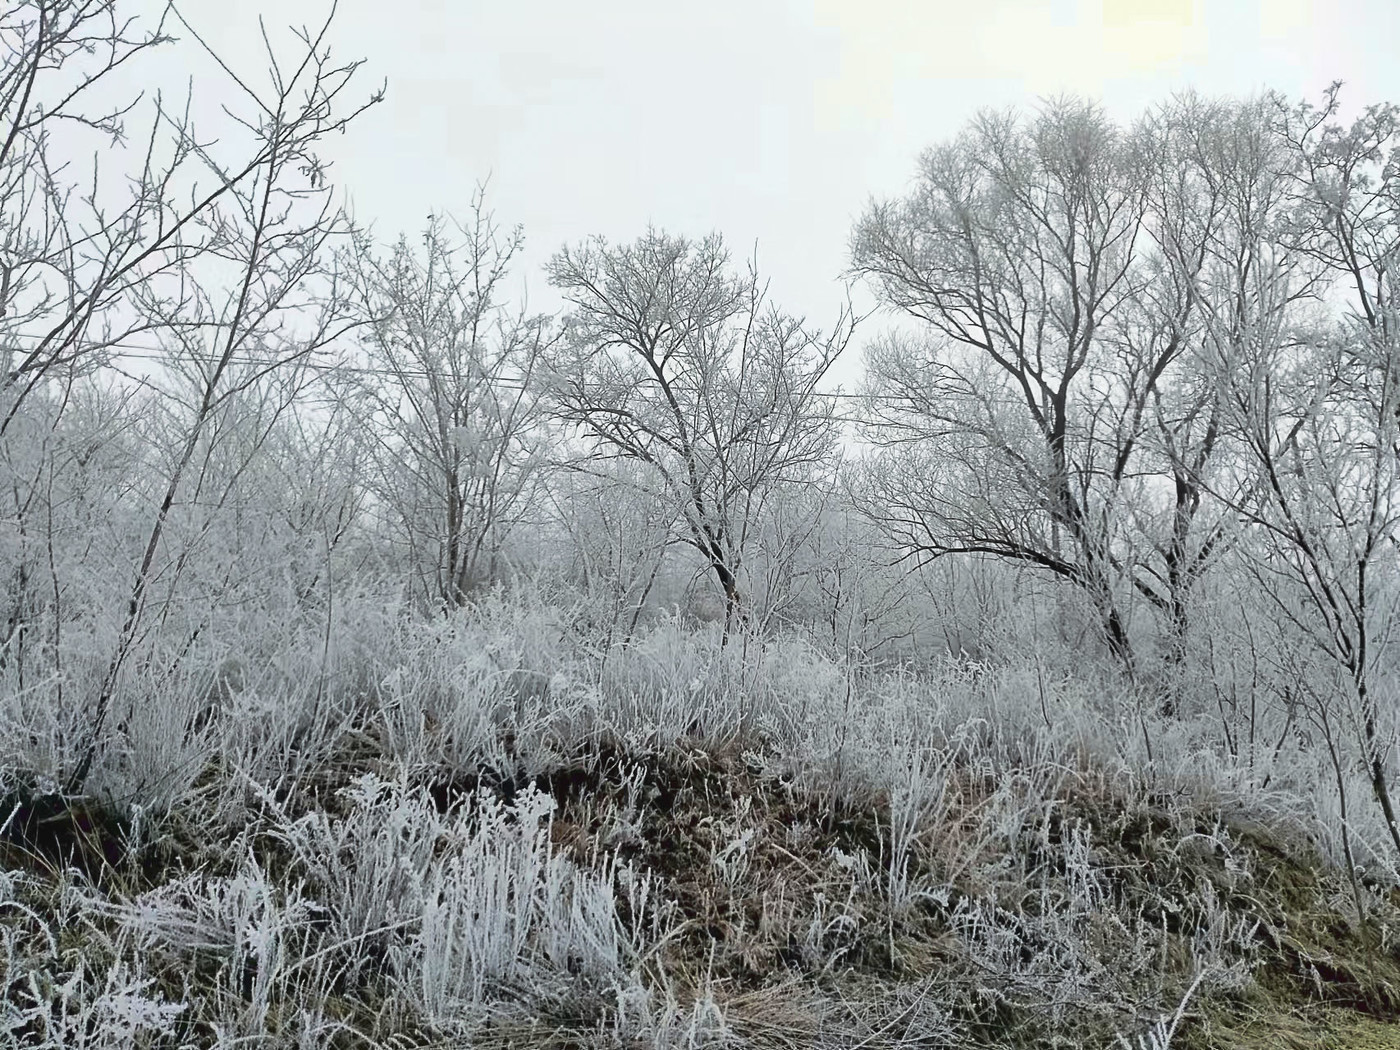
[1321, 416]
[1060, 404]
[79, 241]
[1218, 280]
[314, 482]
[673, 362]
[455, 428]
[1016, 250]
[241, 311]
[837, 578]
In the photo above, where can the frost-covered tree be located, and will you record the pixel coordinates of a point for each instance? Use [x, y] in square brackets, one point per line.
[1321, 422]
[454, 427]
[1057, 404]
[673, 361]
[220, 252]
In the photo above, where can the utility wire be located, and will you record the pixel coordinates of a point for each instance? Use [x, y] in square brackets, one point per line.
[140, 352]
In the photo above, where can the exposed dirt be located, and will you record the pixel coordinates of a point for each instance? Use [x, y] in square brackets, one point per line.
[49, 832]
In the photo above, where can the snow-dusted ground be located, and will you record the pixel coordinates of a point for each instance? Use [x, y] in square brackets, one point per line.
[487, 829]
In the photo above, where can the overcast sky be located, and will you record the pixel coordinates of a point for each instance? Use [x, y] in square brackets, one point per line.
[772, 121]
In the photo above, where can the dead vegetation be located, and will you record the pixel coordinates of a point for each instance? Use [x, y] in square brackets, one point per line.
[683, 891]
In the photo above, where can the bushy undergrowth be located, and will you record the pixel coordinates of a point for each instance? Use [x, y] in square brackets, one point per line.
[491, 830]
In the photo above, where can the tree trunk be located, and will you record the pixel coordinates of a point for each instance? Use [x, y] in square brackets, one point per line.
[1174, 661]
[1375, 764]
[733, 610]
[1116, 633]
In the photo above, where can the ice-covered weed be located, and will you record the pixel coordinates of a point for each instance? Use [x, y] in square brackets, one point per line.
[500, 909]
[94, 1011]
[1162, 1031]
[918, 806]
[73, 999]
[368, 866]
[664, 1020]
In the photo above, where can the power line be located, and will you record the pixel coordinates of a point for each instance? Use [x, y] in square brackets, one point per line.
[141, 352]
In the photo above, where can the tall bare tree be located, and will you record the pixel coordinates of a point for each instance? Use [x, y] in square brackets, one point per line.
[1059, 404]
[1016, 250]
[239, 303]
[674, 362]
[1322, 419]
[1218, 281]
[456, 429]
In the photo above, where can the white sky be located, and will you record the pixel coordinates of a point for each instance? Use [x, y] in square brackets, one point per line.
[772, 121]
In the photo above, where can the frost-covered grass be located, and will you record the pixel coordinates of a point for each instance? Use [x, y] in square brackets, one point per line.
[490, 830]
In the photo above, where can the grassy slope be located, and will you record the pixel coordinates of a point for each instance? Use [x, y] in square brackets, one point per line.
[681, 851]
